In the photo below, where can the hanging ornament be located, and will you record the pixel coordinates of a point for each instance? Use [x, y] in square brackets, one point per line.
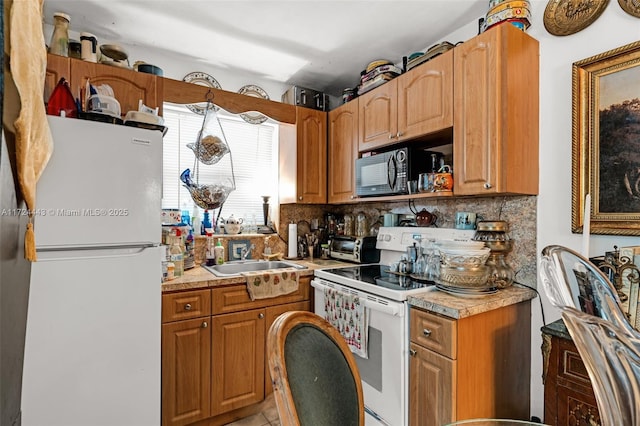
[210, 147]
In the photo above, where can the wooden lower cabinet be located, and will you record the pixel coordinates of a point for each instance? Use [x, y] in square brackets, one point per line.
[238, 360]
[214, 366]
[431, 396]
[473, 367]
[568, 394]
[186, 371]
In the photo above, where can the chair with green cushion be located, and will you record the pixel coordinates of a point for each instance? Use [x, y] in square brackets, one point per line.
[314, 374]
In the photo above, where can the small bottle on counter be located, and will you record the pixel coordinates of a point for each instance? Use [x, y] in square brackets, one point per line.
[171, 271]
[218, 252]
[176, 255]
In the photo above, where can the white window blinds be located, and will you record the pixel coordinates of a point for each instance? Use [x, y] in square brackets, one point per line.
[254, 152]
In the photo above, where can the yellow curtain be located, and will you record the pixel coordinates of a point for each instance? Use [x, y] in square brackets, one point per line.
[34, 144]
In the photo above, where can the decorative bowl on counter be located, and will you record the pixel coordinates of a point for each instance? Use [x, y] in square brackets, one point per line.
[464, 258]
[463, 276]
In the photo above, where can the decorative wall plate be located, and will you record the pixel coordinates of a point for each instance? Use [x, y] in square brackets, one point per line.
[257, 92]
[203, 79]
[565, 17]
[632, 7]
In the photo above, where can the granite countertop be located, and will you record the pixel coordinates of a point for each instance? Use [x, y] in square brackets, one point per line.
[458, 307]
[198, 277]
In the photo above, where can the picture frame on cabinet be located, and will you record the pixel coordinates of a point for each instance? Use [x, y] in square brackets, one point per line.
[606, 141]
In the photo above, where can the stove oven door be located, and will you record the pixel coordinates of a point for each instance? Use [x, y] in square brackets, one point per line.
[385, 372]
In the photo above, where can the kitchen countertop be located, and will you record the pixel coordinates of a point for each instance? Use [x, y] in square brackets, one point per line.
[458, 307]
[436, 301]
[198, 277]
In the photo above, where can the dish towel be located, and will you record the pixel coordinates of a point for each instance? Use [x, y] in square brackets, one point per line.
[348, 314]
[34, 143]
[263, 285]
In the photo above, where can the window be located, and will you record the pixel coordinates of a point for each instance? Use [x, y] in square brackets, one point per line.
[254, 150]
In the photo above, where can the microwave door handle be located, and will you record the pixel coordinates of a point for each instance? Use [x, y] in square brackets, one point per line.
[392, 174]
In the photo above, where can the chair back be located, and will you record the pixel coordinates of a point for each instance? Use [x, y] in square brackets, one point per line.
[608, 345]
[314, 374]
[569, 279]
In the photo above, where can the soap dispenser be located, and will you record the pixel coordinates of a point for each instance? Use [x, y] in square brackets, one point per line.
[218, 252]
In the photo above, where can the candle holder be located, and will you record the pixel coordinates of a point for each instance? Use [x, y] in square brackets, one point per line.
[266, 228]
[614, 266]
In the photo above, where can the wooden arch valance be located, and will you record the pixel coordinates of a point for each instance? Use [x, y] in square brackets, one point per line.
[181, 92]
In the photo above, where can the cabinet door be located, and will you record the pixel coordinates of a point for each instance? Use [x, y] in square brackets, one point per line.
[425, 98]
[57, 67]
[343, 152]
[311, 131]
[272, 313]
[378, 117]
[238, 359]
[496, 113]
[432, 395]
[128, 86]
[186, 363]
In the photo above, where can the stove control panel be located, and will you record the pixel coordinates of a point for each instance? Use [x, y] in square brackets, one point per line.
[399, 238]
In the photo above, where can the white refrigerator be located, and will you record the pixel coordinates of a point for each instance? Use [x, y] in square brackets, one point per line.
[92, 350]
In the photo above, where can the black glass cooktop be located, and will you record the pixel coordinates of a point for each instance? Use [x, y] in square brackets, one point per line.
[380, 275]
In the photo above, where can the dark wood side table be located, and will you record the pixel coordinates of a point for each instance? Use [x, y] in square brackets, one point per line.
[568, 395]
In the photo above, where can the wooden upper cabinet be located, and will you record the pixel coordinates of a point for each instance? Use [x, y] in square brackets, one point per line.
[411, 106]
[311, 136]
[343, 152]
[425, 98]
[128, 86]
[57, 67]
[378, 117]
[495, 129]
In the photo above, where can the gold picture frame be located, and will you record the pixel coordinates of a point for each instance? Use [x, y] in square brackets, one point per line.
[606, 141]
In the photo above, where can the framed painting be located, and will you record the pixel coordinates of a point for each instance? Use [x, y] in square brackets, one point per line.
[606, 141]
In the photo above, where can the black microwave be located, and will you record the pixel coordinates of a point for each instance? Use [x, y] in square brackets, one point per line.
[387, 173]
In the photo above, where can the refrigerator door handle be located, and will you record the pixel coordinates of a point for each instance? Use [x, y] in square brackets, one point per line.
[100, 247]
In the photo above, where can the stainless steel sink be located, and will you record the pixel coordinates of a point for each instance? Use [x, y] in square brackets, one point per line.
[231, 269]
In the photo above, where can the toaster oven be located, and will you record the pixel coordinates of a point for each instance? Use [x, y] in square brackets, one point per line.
[354, 249]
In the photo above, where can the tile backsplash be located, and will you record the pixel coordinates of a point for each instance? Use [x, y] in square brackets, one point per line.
[518, 211]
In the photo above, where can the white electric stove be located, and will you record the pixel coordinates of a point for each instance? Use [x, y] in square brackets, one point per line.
[385, 371]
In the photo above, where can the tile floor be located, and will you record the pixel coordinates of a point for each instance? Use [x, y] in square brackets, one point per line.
[268, 415]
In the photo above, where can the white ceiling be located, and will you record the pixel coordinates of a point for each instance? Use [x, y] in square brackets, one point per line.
[319, 44]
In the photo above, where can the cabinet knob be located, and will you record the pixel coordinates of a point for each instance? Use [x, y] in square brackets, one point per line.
[391, 136]
[187, 307]
[426, 332]
[412, 352]
[204, 324]
[399, 134]
[300, 198]
[260, 315]
[353, 197]
[487, 185]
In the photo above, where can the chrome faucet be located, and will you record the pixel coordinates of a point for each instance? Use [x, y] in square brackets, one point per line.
[244, 252]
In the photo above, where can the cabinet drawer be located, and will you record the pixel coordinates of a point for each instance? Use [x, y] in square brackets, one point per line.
[571, 366]
[433, 332]
[236, 298]
[186, 305]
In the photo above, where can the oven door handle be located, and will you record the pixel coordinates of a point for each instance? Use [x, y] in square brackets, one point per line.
[393, 308]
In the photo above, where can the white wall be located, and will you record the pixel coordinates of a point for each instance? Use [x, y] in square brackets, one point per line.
[612, 29]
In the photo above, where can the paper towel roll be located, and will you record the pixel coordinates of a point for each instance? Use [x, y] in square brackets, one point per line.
[293, 241]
